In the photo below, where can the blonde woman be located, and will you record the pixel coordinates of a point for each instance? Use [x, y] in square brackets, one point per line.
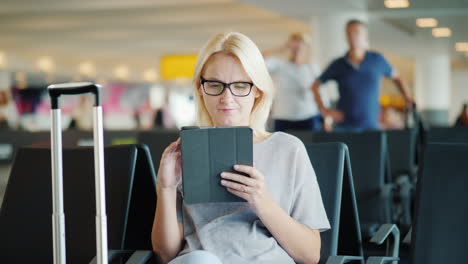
[294, 107]
[9, 118]
[283, 213]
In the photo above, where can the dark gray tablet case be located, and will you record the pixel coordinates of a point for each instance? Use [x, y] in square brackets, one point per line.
[206, 152]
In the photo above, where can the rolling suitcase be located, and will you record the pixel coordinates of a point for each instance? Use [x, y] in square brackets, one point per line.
[58, 217]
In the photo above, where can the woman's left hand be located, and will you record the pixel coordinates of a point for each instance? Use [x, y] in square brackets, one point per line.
[252, 189]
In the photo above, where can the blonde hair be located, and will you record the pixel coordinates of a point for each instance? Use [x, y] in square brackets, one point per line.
[244, 49]
[307, 50]
[301, 36]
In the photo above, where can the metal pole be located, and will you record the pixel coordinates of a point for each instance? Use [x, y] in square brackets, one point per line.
[101, 218]
[58, 217]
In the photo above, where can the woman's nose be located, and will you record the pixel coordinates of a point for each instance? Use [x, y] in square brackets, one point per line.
[227, 94]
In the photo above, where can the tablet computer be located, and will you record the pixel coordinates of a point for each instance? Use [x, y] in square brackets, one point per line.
[206, 152]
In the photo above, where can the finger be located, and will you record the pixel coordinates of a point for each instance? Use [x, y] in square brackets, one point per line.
[239, 178]
[177, 149]
[236, 186]
[172, 148]
[247, 170]
[178, 143]
[168, 149]
[173, 145]
[239, 194]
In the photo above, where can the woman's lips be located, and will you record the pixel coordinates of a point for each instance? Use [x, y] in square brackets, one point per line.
[227, 110]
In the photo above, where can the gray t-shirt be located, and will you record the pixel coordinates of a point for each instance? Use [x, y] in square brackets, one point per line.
[234, 233]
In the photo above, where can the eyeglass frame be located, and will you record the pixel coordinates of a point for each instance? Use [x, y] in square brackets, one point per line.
[225, 85]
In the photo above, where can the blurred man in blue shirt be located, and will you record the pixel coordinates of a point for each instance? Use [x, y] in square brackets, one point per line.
[358, 74]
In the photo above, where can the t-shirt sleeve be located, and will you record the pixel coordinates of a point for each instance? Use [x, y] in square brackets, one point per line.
[330, 73]
[273, 64]
[307, 206]
[387, 68]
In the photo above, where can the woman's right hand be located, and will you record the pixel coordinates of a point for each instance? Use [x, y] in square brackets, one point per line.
[170, 167]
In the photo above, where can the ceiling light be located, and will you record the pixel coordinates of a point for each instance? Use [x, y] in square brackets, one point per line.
[3, 60]
[87, 68]
[45, 64]
[396, 3]
[150, 75]
[461, 46]
[122, 72]
[426, 22]
[441, 32]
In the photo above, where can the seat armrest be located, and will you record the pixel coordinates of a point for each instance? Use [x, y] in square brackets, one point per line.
[140, 257]
[111, 254]
[383, 233]
[407, 239]
[135, 256]
[344, 259]
[382, 260]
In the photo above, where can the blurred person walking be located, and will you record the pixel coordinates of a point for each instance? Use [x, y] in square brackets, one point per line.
[9, 118]
[462, 119]
[358, 74]
[294, 107]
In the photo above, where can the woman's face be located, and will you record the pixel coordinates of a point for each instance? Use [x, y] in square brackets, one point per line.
[296, 44]
[226, 109]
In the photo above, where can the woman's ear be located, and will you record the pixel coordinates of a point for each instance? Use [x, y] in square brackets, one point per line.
[258, 93]
[200, 90]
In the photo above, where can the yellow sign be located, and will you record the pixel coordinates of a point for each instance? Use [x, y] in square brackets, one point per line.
[177, 66]
[396, 101]
[385, 100]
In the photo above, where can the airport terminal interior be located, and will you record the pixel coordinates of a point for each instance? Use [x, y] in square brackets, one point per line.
[376, 91]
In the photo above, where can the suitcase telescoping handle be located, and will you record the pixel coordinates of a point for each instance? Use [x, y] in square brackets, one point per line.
[55, 90]
[58, 217]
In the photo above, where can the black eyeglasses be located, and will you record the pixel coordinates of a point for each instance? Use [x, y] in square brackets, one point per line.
[216, 88]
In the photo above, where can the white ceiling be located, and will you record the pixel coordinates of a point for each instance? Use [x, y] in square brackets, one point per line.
[449, 13]
[138, 32]
[133, 32]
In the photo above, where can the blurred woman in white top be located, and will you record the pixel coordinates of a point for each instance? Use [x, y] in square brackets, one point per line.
[9, 118]
[294, 107]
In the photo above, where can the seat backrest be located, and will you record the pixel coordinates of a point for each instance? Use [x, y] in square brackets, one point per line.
[157, 141]
[440, 229]
[328, 162]
[11, 140]
[402, 151]
[142, 203]
[26, 213]
[74, 137]
[448, 135]
[331, 165]
[368, 154]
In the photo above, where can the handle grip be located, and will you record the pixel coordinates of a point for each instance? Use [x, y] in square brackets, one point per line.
[55, 90]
